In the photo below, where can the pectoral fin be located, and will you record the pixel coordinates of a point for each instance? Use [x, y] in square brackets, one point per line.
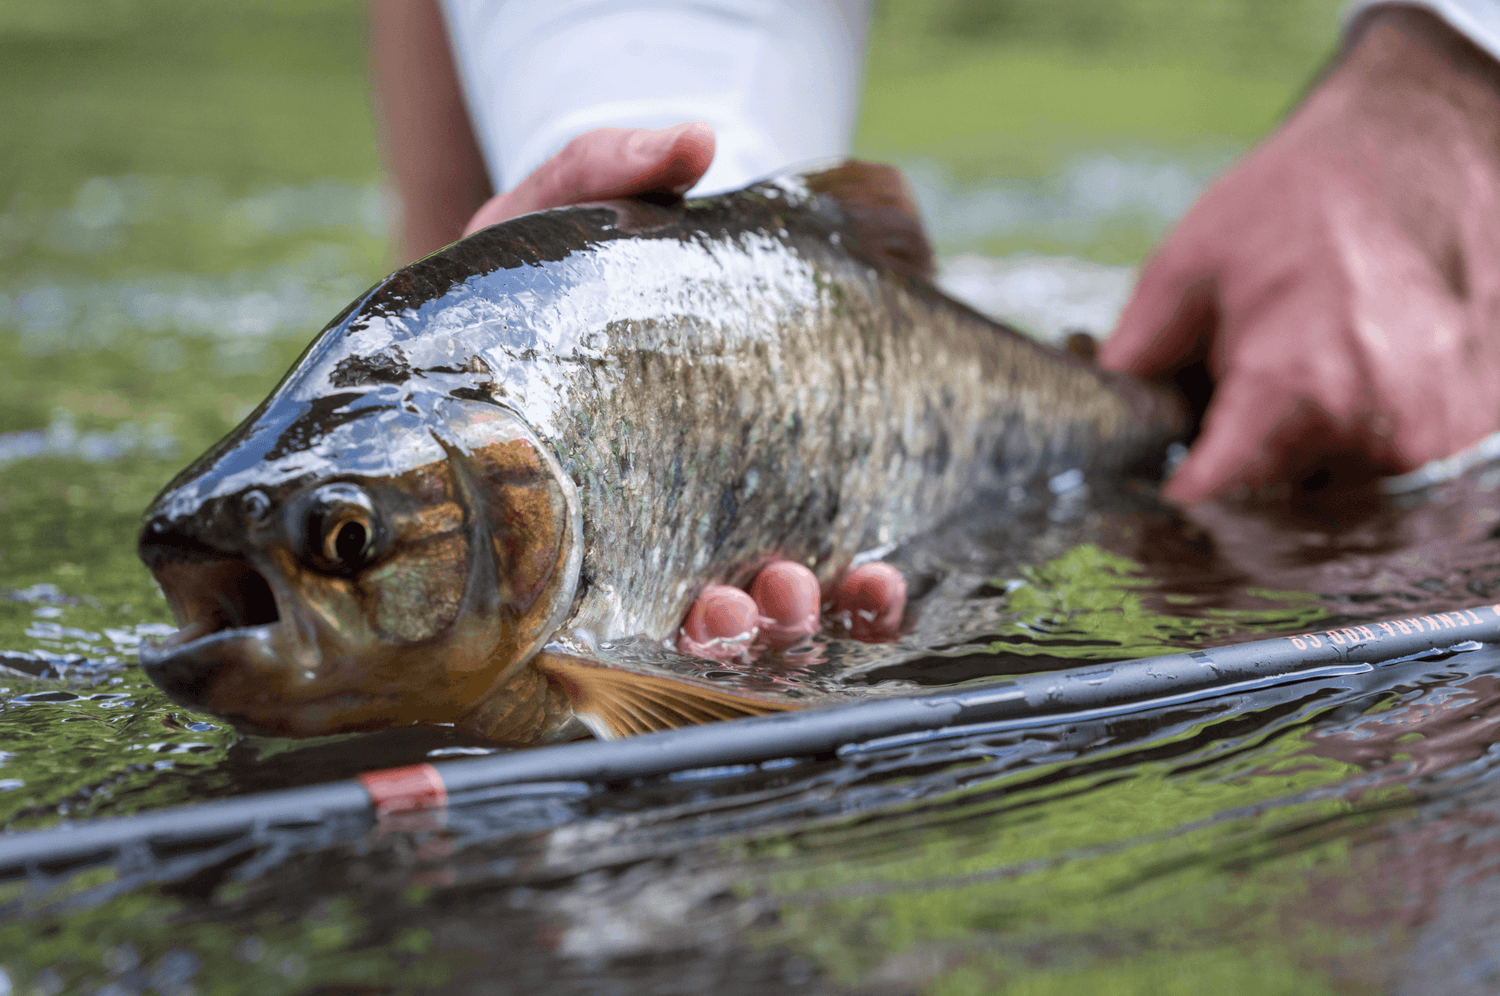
[614, 702]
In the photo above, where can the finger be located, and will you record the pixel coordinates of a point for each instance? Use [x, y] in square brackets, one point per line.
[874, 595]
[1251, 431]
[606, 163]
[1431, 379]
[1170, 311]
[721, 613]
[1290, 389]
[620, 162]
[789, 598]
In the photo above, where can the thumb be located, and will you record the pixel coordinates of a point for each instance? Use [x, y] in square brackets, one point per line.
[607, 163]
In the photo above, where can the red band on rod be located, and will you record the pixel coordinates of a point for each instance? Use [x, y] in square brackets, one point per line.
[405, 790]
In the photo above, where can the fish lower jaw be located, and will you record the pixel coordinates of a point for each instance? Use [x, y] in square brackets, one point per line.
[241, 677]
[338, 712]
[189, 665]
[205, 670]
[198, 636]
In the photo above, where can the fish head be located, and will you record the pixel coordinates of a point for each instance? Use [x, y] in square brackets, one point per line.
[373, 560]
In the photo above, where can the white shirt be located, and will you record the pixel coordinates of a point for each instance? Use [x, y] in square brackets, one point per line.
[777, 79]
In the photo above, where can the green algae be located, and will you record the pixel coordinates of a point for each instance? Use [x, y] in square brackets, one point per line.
[143, 939]
[1091, 604]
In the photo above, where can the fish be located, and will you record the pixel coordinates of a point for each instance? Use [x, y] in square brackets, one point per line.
[549, 437]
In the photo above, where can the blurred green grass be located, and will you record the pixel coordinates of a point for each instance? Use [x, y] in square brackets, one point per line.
[1013, 87]
[1019, 89]
[1014, 110]
[248, 93]
[275, 91]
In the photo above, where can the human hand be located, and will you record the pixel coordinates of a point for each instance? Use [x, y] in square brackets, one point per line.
[783, 607]
[607, 163]
[1342, 283]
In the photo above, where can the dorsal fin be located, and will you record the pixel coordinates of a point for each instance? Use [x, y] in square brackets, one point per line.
[613, 702]
[883, 212]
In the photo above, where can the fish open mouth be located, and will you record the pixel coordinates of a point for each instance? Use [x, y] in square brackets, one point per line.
[216, 602]
[219, 595]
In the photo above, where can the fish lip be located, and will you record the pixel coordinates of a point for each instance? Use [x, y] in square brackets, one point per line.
[155, 654]
[190, 673]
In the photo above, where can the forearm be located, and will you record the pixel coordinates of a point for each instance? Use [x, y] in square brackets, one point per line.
[427, 142]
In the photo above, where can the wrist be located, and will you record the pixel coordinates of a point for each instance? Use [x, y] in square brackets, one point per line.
[1405, 126]
[1476, 20]
[1408, 63]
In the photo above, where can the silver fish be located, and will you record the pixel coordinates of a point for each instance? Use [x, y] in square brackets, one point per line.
[559, 430]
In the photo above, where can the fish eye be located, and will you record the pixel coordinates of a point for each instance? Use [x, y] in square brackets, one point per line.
[346, 542]
[340, 529]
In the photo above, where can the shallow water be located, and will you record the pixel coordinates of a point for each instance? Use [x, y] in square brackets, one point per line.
[1331, 833]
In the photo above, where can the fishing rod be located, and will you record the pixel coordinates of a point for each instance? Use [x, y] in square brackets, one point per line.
[1084, 693]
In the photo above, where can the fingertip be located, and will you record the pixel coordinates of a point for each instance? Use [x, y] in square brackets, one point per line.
[721, 613]
[788, 593]
[1227, 454]
[1248, 430]
[874, 596]
[673, 158]
[1195, 481]
[693, 154]
[696, 143]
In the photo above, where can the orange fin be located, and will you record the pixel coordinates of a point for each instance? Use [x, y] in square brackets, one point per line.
[883, 213]
[613, 702]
